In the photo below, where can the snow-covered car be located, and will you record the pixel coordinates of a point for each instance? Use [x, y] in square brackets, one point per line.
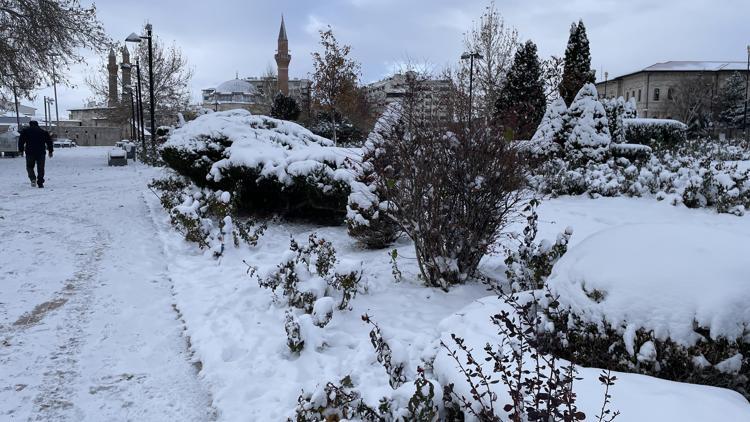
[117, 157]
[64, 143]
[9, 144]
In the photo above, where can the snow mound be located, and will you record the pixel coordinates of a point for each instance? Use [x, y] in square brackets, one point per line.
[663, 278]
[278, 148]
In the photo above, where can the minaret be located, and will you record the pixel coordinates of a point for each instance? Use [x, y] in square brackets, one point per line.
[112, 70]
[282, 59]
[125, 66]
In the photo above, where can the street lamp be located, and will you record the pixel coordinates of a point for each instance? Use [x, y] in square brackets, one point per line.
[471, 57]
[606, 79]
[54, 87]
[135, 38]
[747, 85]
[133, 132]
[139, 104]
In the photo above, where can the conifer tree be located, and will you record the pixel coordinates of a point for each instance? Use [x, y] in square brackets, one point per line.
[732, 101]
[577, 69]
[284, 107]
[522, 102]
[587, 128]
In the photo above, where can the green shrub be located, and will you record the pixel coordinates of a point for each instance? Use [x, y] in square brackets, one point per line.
[655, 132]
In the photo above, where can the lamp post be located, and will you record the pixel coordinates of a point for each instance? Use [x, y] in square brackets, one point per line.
[471, 57]
[54, 88]
[139, 103]
[133, 132]
[606, 79]
[747, 86]
[135, 38]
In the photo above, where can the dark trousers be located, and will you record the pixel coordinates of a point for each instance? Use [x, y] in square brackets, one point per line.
[38, 161]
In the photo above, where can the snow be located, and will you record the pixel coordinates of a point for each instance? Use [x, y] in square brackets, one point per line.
[87, 325]
[237, 329]
[279, 148]
[662, 278]
[114, 349]
[639, 121]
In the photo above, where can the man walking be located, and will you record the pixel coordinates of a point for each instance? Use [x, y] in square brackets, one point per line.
[32, 141]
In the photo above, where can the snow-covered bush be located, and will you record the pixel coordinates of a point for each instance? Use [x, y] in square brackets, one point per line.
[272, 166]
[455, 190]
[367, 210]
[306, 275]
[655, 132]
[294, 339]
[620, 305]
[203, 216]
[537, 386]
[695, 181]
[549, 138]
[618, 109]
[393, 367]
[530, 265]
[587, 128]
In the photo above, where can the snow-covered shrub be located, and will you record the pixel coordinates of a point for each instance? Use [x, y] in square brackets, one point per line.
[393, 367]
[684, 318]
[422, 406]
[617, 109]
[693, 180]
[204, 216]
[334, 402]
[455, 192]
[549, 137]
[367, 210]
[530, 265]
[587, 128]
[306, 274]
[294, 339]
[655, 132]
[539, 386]
[272, 166]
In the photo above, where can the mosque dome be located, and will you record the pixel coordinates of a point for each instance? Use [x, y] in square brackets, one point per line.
[235, 86]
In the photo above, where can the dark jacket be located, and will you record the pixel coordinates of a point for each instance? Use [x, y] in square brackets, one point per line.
[33, 139]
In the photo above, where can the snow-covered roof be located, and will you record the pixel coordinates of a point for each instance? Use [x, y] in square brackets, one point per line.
[688, 66]
[695, 66]
[235, 86]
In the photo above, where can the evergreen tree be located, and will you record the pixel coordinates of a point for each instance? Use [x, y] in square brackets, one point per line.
[732, 101]
[616, 112]
[550, 137]
[284, 107]
[587, 128]
[577, 69]
[521, 104]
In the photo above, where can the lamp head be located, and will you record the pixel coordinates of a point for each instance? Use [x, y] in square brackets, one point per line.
[133, 38]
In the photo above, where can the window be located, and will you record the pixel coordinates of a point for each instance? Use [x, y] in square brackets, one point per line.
[627, 96]
[639, 95]
[656, 94]
[670, 94]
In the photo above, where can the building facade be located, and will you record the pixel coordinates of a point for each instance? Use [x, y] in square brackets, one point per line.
[256, 94]
[393, 89]
[654, 87]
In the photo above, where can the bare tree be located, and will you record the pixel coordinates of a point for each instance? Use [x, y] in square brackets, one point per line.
[497, 43]
[172, 75]
[39, 38]
[270, 87]
[692, 100]
[335, 76]
[552, 72]
[451, 189]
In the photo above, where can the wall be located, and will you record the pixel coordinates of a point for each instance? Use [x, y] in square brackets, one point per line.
[93, 135]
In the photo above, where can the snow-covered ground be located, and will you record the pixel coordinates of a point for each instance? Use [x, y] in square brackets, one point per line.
[87, 325]
[96, 287]
[237, 330]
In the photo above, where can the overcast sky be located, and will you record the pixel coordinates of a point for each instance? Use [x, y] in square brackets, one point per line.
[221, 37]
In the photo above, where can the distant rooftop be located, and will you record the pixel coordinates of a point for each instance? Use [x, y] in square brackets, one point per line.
[691, 66]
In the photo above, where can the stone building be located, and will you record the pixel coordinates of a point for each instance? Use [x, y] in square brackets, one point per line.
[654, 86]
[393, 88]
[255, 94]
[92, 125]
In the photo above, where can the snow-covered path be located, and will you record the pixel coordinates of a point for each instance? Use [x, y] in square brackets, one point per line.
[88, 330]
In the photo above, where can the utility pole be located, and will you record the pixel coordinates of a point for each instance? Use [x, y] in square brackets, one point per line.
[46, 122]
[18, 116]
